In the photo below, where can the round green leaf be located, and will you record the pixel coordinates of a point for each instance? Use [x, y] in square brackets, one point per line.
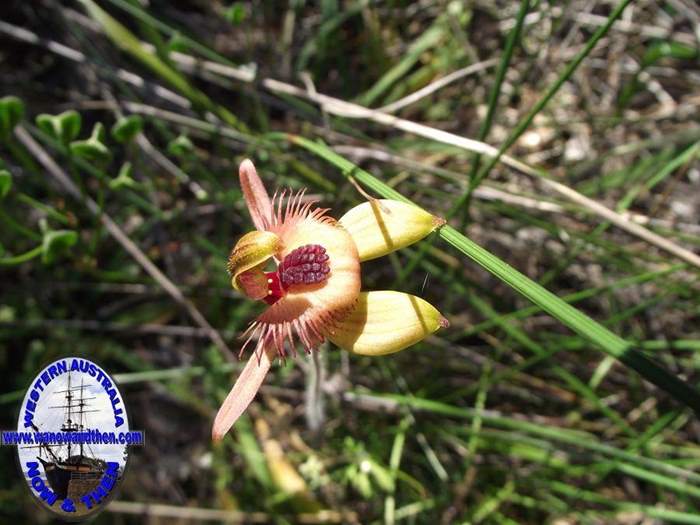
[64, 127]
[181, 146]
[92, 149]
[55, 243]
[123, 179]
[11, 112]
[177, 44]
[236, 13]
[126, 128]
[69, 122]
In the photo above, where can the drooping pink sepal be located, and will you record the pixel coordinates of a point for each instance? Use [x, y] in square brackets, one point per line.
[242, 393]
[256, 197]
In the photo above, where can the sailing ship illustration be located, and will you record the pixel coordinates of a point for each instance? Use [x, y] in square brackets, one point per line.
[71, 469]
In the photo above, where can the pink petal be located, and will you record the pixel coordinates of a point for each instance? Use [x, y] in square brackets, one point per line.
[256, 197]
[242, 393]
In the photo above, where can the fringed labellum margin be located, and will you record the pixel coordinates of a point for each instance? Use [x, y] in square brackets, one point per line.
[314, 293]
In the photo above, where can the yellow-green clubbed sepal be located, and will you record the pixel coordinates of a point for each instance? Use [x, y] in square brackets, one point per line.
[379, 227]
[251, 253]
[385, 322]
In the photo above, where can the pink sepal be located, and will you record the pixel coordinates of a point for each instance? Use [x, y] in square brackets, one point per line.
[256, 197]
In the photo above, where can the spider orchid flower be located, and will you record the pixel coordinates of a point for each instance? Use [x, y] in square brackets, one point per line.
[306, 266]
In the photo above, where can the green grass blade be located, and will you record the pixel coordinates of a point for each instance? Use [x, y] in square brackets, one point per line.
[127, 41]
[553, 89]
[142, 15]
[551, 433]
[426, 41]
[576, 320]
[573, 298]
[513, 38]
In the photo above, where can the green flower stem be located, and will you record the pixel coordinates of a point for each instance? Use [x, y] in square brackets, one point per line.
[48, 210]
[22, 258]
[576, 320]
[9, 222]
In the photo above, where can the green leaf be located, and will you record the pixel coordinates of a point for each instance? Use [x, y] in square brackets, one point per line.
[177, 43]
[55, 243]
[181, 146]
[123, 179]
[92, 149]
[70, 123]
[126, 128]
[381, 476]
[11, 112]
[236, 13]
[63, 127]
[360, 480]
[5, 183]
[48, 125]
[98, 132]
[89, 150]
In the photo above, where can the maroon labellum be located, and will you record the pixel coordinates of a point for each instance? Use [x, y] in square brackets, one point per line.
[307, 264]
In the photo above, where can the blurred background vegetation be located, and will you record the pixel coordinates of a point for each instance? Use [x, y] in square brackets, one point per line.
[121, 130]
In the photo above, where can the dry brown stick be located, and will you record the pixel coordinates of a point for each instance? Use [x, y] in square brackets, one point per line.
[492, 193]
[199, 514]
[437, 85]
[349, 110]
[122, 238]
[632, 223]
[24, 35]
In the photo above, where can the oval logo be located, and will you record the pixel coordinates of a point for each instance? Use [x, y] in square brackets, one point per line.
[72, 438]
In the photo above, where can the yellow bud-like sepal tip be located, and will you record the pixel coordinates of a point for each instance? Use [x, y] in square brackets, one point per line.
[251, 252]
[379, 227]
[385, 322]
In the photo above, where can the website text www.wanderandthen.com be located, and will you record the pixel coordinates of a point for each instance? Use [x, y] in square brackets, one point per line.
[83, 437]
